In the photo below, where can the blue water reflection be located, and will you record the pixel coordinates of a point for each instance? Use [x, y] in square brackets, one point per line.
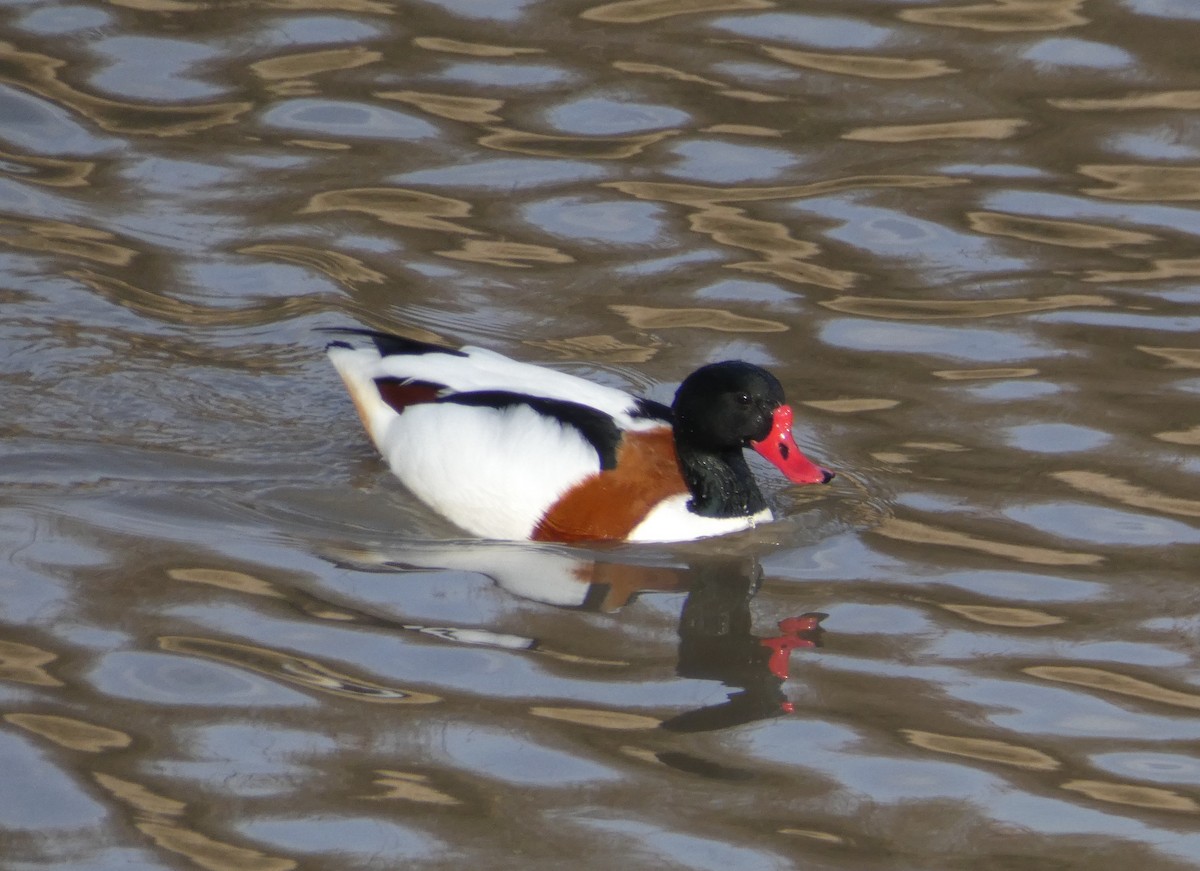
[62, 20]
[35, 125]
[1159, 143]
[165, 679]
[299, 30]
[665, 847]
[247, 760]
[820, 31]
[1119, 214]
[1055, 438]
[344, 119]
[730, 163]
[514, 759]
[963, 343]
[1008, 391]
[1174, 768]
[1102, 525]
[889, 232]
[617, 222]
[1065, 51]
[152, 68]
[506, 174]
[37, 796]
[610, 116]
[1181, 9]
[356, 839]
[506, 75]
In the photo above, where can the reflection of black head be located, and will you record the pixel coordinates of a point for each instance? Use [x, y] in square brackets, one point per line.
[714, 626]
[715, 643]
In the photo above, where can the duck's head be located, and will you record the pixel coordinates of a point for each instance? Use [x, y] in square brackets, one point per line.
[730, 405]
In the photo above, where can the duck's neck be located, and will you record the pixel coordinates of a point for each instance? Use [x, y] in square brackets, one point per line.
[721, 482]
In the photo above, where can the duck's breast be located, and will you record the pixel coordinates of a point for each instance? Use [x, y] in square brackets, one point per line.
[672, 520]
[611, 504]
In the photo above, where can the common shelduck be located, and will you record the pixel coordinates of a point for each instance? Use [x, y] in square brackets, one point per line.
[511, 450]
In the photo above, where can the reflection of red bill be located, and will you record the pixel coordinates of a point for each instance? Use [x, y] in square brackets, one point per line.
[780, 448]
[802, 631]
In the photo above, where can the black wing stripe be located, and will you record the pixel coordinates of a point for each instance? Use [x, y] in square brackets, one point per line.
[389, 344]
[600, 430]
[651, 410]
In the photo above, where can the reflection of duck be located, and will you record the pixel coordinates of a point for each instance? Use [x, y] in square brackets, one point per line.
[510, 450]
[564, 578]
[716, 636]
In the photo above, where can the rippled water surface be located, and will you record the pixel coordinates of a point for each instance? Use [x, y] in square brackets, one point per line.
[963, 234]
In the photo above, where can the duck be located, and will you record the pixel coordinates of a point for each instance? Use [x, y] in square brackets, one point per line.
[508, 450]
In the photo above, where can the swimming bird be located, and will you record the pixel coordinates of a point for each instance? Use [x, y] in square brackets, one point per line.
[517, 451]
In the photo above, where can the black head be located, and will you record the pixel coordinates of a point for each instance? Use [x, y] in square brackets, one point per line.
[725, 406]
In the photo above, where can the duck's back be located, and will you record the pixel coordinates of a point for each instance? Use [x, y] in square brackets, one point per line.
[506, 449]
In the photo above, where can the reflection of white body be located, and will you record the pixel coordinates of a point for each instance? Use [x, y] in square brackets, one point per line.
[530, 572]
[482, 637]
[509, 450]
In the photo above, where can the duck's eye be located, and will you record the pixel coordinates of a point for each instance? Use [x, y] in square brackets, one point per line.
[743, 399]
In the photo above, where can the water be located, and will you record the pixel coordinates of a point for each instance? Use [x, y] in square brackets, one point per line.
[962, 235]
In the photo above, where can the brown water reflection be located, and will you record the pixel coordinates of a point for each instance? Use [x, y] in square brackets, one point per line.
[963, 234]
